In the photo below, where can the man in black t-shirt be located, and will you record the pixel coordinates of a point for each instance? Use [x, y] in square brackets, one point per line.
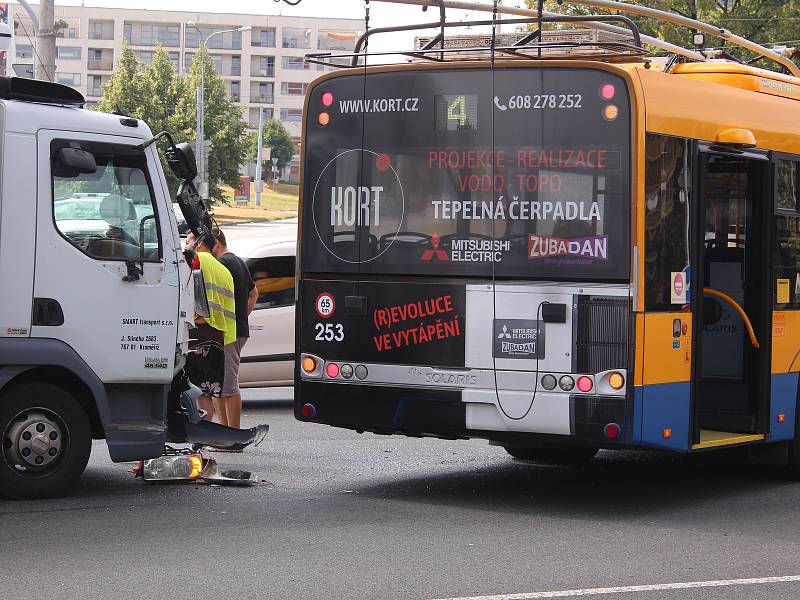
[229, 406]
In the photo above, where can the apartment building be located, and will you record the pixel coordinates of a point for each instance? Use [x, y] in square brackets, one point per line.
[262, 67]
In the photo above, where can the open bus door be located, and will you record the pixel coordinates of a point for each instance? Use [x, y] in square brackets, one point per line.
[732, 305]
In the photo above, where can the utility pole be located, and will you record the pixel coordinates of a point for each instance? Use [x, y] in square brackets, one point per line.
[45, 68]
[258, 153]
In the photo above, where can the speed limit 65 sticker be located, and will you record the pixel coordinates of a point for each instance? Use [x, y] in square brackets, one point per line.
[325, 305]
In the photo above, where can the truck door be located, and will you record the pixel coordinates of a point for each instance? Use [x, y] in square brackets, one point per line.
[106, 276]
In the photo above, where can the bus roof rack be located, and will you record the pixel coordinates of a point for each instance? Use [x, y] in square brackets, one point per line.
[534, 41]
[597, 22]
[44, 92]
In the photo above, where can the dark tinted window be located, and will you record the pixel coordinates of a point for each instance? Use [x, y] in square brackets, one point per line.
[274, 279]
[522, 173]
[666, 228]
[787, 236]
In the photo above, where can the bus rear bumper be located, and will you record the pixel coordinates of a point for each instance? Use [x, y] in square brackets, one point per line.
[452, 414]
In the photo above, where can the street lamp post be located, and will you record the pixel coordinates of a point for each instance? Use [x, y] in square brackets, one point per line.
[200, 133]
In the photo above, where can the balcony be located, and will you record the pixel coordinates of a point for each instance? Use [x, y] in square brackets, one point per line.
[261, 71]
[101, 64]
[257, 98]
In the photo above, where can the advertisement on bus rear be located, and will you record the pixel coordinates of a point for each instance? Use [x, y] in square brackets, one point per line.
[512, 173]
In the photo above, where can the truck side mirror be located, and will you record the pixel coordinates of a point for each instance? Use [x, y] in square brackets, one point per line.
[71, 162]
[181, 160]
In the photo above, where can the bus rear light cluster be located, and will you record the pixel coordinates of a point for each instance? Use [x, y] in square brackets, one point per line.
[345, 371]
[567, 383]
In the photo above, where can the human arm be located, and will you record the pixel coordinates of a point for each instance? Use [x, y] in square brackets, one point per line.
[251, 299]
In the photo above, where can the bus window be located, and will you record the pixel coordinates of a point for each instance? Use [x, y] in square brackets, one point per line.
[527, 178]
[666, 217]
[787, 236]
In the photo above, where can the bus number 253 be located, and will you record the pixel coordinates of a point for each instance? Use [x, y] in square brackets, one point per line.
[329, 332]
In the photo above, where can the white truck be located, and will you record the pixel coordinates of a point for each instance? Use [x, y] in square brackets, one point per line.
[96, 297]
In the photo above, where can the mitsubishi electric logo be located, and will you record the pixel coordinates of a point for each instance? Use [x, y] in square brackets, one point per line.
[518, 338]
[435, 251]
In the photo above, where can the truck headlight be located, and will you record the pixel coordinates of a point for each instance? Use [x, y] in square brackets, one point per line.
[172, 468]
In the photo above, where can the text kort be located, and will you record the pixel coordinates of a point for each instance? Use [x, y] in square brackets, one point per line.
[351, 205]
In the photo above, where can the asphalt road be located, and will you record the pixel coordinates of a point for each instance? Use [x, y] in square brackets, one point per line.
[342, 515]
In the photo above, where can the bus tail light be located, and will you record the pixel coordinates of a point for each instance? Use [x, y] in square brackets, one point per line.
[346, 371]
[612, 431]
[616, 380]
[585, 384]
[566, 383]
[311, 365]
[610, 112]
[361, 372]
[308, 411]
[325, 118]
[332, 370]
[548, 382]
[608, 91]
[327, 99]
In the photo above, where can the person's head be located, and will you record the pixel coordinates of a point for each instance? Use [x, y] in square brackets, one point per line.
[206, 243]
[221, 244]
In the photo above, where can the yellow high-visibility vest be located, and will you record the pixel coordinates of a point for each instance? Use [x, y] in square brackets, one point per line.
[219, 291]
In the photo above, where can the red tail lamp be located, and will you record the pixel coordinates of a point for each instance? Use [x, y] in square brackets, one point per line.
[327, 99]
[585, 384]
[308, 411]
[608, 91]
[332, 370]
[612, 431]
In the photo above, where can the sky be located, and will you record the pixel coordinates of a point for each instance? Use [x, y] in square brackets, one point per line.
[381, 14]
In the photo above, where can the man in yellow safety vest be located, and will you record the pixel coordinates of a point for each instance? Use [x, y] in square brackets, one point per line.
[206, 364]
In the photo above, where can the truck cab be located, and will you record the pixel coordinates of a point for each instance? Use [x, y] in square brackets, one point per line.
[96, 298]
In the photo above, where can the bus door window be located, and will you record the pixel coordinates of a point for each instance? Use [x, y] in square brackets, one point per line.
[732, 378]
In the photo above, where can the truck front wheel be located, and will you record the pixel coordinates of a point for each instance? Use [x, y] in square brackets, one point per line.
[46, 441]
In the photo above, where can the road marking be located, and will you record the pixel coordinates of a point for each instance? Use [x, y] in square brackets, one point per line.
[629, 589]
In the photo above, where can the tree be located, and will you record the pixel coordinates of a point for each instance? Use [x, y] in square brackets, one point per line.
[157, 95]
[276, 137]
[222, 122]
[764, 21]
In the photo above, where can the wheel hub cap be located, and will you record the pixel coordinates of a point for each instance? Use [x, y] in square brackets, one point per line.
[33, 441]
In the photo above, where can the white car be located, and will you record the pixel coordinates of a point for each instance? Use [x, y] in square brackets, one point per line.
[268, 356]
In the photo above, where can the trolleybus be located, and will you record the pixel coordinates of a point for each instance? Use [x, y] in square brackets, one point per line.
[555, 247]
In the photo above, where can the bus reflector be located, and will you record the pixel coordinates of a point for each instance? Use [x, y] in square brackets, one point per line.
[584, 384]
[324, 118]
[781, 418]
[611, 431]
[610, 112]
[308, 411]
[327, 99]
[332, 370]
[309, 364]
[616, 380]
[667, 433]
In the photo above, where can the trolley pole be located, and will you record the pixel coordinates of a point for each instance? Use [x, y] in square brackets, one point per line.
[258, 154]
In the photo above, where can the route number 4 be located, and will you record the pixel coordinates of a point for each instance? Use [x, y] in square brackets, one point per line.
[329, 332]
[457, 111]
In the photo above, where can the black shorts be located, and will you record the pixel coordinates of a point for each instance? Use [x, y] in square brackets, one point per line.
[205, 365]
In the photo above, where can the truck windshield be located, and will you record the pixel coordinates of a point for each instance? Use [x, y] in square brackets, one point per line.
[520, 173]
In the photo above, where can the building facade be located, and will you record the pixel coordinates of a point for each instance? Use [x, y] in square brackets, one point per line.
[261, 68]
